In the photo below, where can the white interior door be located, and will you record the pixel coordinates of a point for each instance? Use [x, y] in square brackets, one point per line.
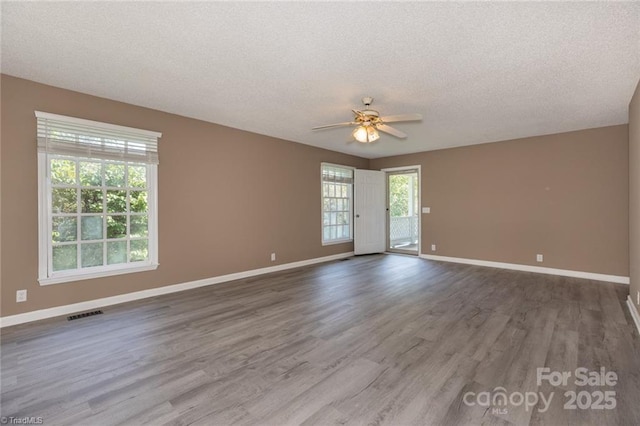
[369, 212]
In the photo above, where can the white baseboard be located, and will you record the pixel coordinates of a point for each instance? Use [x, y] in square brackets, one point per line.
[528, 268]
[128, 297]
[634, 312]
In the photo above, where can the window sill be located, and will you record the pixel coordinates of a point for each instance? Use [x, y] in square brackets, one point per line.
[330, 243]
[65, 278]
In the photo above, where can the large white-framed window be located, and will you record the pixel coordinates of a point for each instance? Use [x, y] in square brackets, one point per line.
[337, 203]
[97, 199]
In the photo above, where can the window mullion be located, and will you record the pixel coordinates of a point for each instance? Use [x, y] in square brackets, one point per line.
[49, 219]
[127, 231]
[79, 216]
[104, 210]
[104, 220]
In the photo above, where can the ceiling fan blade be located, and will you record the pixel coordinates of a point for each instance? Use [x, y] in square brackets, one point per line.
[401, 117]
[388, 129]
[346, 123]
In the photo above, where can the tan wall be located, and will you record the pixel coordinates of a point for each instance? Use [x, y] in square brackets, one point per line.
[227, 198]
[564, 196]
[634, 194]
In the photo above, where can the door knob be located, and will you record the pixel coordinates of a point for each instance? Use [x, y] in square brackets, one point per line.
[357, 216]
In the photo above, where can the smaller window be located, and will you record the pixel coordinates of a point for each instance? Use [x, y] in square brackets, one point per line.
[337, 204]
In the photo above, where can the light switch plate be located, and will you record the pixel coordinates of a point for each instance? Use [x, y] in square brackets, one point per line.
[426, 210]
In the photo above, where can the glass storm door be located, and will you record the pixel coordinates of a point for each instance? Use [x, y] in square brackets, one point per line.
[403, 218]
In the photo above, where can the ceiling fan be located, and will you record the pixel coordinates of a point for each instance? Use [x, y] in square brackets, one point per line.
[369, 123]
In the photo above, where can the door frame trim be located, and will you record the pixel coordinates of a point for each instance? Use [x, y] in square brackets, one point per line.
[388, 170]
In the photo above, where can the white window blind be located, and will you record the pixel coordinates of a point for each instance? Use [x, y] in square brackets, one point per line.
[337, 174]
[62, 135]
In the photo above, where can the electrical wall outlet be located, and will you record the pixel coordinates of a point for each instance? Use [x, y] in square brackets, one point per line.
[426, 210]
[21, 296]
[433, 247]
[539, 258]
[273, 257]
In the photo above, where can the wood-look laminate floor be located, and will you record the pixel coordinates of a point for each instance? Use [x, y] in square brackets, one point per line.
[380, 339]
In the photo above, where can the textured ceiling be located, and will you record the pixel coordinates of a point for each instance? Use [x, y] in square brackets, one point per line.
[477, 72]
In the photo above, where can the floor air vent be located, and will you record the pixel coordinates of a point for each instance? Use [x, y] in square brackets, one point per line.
[83, 315]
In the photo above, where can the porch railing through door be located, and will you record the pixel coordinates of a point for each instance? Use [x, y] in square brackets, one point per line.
[403, 230]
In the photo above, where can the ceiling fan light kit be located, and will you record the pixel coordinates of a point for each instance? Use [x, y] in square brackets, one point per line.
[366, 134]
[370, 123]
